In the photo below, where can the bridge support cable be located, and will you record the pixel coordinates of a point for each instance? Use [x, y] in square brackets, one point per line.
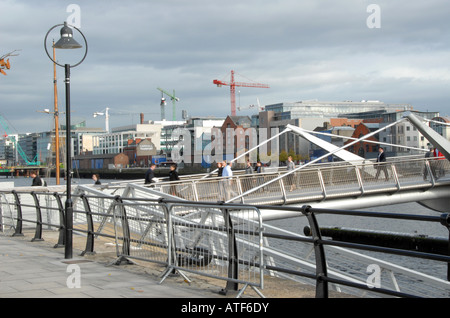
[332, 152]
[436, 139]
[367, 141]
[252, 149]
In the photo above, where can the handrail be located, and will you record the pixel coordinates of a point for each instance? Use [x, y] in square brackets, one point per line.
[355, 179]
[122, 208]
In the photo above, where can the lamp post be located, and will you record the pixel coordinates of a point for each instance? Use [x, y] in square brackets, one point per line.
[67, 42]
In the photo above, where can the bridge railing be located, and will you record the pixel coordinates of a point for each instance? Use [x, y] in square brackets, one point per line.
[223, 241]
[314, 183]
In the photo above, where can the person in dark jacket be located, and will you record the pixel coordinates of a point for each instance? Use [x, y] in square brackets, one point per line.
[150, 174]
[37, 181]
[173, 176]
[96, 179]
[219, 169]
[381, 159]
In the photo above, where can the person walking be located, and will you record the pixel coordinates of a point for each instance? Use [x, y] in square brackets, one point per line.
[37, 181]
[227, 182]
[150, 175]
[429, 154]
[439, 163]
[249, 168]
[96, 179]
[173, 176]
[381, 160]
[248, 182]
[260, 180]
[290, 178]
[219, 169]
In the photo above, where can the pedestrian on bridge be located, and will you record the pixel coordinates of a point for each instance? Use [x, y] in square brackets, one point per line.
[150, 174]
[381, 160]
[227, 182]
[429, 154]
[219, 169]
[439, 163]
[173, 176]
[96, 179]
[249, 182]
[290, 178]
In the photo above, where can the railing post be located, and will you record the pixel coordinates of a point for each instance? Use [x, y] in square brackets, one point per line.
[445, 221]
[232, 254]
[125, 232]
[194, 189]
[19, 225]
[62, 221]
[322, 184]
[360, 180]
[283, 190]
[90, 236]
[395, 176]
[239, 187]
[429, 171]
[321, 265]
[38, 233]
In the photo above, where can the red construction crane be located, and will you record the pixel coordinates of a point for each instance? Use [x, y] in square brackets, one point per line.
[233, 85]
[5, 64]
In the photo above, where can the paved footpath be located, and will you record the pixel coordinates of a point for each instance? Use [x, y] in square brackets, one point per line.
[31, 270]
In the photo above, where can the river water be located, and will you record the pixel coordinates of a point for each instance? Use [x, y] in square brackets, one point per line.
[296, 225]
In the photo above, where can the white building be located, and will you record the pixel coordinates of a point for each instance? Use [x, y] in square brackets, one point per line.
[404, 133]
[115, 141]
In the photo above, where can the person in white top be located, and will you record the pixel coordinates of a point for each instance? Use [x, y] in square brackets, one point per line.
[227, 183]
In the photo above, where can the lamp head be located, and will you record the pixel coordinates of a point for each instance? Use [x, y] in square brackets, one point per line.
[67, 41]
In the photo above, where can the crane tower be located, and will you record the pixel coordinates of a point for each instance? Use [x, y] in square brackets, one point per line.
[233, 86]
[174, 100]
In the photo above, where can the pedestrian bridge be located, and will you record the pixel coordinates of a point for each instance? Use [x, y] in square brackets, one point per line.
[351, 183]
[341, 185]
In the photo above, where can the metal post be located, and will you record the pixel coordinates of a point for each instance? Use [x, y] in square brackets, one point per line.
[38, 232]
[62, 222]
[232, 255]
[19, 224]
[69, 204]
[445, 221]
[90, 224]
[321, 264]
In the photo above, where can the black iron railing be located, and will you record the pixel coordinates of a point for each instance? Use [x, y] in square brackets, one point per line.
[94, 218]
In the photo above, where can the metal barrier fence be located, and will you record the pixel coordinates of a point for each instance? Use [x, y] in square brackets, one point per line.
[224, 241]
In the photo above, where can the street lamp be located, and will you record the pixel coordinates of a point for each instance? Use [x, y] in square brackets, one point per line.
[67, 42]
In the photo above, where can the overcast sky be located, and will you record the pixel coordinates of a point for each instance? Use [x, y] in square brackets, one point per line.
[303, 49]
